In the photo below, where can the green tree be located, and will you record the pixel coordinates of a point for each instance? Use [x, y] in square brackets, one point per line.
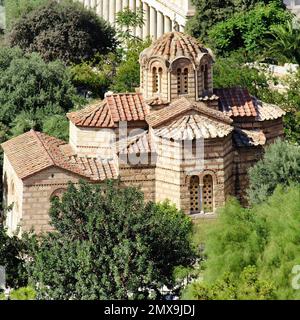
[57, 126]
[248, 30]
[127, 20]
[211, 12]
[65, 31]
[246, 287]
[12, 250]
[283, 43]
[14, 9]
[108, 244]
[265, 236]
[280, 165]
[31, 89]
[127, 76]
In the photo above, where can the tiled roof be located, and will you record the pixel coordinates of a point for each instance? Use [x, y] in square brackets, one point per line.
[176, 44]
[266, 111]
[114, 108]
[236, 102]
[33, 152]
[139, 144]
[194, 126]
[249, 138]
[181, 106]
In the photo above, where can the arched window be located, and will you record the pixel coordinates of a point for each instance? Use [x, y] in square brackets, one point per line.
[208, 189]
[185, 88]
[204, 70]
[58, 193]
[194, 195]
[154, 80]
[179, 81]
[182, 81]
[157, 80]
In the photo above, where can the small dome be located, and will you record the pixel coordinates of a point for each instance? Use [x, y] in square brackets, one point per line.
[175, 44]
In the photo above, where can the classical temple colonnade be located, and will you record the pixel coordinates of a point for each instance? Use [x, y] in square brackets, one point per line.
[160, 16]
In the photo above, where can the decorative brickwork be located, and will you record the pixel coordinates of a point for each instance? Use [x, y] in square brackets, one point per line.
[177, 107]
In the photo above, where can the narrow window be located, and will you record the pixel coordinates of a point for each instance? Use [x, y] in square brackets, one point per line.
[185, 81]
[208, 194]
[179, 81]
[159, 80]
[194, 195]
[154, 80]
[205, 77]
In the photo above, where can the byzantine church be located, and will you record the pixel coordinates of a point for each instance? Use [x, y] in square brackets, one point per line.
[175, 105]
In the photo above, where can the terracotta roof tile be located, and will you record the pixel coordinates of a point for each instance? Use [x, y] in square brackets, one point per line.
[113, 109]
[249, 138]
[183, 105]
[194, 126]
[33, 152]
[141, 143]
[267, 111]
[176, 44]
[236, 102]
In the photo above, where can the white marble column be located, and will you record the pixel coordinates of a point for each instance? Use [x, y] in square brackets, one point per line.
[119, 6]
[112, 11]
[99, 8]
[168, 24]
[93, 4]
[160, 24]
[125, 3]
[146, 27]
[139, 30]
[132, 7]
[153, 23]
[105, 11]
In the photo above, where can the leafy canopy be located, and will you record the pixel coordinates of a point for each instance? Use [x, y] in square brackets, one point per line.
[63, 30]
[280, 165]
[248, 30]
[108, 244]
[31, 90]
[265, 237]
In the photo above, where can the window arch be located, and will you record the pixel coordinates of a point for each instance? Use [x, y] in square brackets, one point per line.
[58, 193]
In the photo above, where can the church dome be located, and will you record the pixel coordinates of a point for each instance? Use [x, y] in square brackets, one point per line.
[174, 45]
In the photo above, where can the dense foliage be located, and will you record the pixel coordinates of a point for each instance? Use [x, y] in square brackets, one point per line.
[210, 12]
[283, 43]
[31, 90]
[109, 245]
[265, 237]
[247, 30]
[280, 165]
[12, 258]
[246, 287]
[63, 31]
[14, 9]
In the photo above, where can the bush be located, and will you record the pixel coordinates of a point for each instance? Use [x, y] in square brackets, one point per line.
[265, 237]
[246, 287]
[280, 165]
[31, 90]
[109, 245]
[63, 31]
[247, 29]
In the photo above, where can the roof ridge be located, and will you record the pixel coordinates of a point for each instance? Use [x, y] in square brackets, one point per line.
[43, 145]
